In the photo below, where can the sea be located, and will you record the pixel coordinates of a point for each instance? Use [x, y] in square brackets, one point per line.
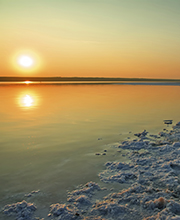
[55, 136]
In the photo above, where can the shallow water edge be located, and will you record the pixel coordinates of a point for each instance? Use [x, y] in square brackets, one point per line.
[143, 186]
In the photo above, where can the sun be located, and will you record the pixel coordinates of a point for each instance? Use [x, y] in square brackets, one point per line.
[25, 61]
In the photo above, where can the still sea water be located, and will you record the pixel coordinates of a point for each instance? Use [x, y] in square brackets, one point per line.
[50, 133]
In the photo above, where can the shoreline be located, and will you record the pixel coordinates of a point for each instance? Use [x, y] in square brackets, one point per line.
[151, 179]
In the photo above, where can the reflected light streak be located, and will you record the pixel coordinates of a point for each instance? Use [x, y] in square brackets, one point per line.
[28, 101]
[27, 82]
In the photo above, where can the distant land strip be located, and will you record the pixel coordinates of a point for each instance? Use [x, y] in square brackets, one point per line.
[74, 79]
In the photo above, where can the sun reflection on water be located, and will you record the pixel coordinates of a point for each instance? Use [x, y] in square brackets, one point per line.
[28, 101]
[27, 82]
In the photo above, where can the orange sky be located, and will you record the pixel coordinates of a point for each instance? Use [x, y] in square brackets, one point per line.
[107, 38]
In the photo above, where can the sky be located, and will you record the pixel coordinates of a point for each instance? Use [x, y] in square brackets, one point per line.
[98, 38]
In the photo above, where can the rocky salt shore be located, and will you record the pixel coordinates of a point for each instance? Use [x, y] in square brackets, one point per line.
[152, 179]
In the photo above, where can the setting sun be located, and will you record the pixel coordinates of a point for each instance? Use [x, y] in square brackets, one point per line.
[25, 61]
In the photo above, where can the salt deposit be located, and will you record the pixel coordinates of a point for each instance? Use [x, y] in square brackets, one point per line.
[151, 177]
[20, 210]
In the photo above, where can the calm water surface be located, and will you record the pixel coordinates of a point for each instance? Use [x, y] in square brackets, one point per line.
[49, 134]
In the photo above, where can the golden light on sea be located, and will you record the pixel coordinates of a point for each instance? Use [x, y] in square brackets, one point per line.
[28, 100]
[27, 82]
[26, 61]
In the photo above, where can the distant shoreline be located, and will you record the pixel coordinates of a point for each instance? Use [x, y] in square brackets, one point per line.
[85, 79]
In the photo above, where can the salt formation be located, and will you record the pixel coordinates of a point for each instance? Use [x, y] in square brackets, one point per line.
[21, 210]
[151, 180]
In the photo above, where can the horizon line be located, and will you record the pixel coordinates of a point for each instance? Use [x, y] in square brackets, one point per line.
[77, 78]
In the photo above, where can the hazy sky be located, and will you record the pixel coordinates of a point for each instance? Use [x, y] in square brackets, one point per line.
[111, 38]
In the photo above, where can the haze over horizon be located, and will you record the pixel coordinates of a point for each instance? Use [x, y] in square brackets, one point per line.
[103, 38]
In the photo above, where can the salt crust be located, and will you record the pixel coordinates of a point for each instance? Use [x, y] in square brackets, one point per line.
[21, 210]
[152, 176]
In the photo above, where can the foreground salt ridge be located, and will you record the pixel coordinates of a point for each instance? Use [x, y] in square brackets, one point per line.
[152, 176]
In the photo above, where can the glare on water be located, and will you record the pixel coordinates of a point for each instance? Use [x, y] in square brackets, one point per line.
[27, 101]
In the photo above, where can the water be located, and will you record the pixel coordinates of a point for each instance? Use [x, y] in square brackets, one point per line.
[49, 133]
